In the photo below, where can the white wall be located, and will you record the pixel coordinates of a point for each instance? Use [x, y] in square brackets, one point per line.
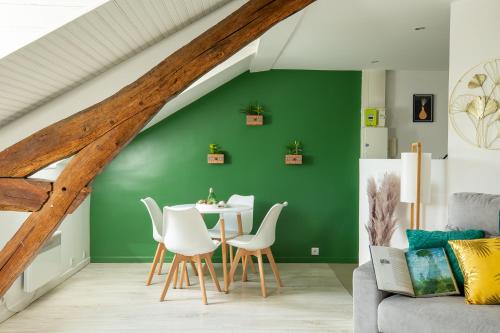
[400, 87]
[471, 168]
[75, 249]
[434, 214]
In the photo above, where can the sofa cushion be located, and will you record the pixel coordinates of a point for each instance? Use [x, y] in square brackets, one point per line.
[423, 239]
[474, 211]
[479, 260]
[447, 314]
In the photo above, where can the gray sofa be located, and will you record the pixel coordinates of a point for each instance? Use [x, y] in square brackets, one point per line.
[376, 311]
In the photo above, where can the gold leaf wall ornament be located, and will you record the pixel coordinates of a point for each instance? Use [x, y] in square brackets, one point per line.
[477, 81]
[480, 109]
[492, 68]
[474, 107]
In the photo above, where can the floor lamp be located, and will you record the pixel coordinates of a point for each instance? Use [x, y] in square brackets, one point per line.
[415, 181]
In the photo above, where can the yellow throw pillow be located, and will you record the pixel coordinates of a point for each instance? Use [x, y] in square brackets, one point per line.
[479, 260]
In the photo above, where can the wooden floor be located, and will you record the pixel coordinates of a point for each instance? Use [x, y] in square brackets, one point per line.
[113, 298]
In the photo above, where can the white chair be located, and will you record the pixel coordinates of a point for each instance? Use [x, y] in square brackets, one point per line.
[258, 244]
[188, 238]
[231, 221]
[157, 222]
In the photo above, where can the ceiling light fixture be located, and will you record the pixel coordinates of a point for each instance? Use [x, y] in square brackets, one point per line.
[419, 28]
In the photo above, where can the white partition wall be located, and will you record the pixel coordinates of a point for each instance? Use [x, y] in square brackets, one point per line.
[434, 214]
[471, 168]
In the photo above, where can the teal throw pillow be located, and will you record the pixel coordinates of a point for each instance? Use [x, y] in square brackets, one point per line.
[422, 239]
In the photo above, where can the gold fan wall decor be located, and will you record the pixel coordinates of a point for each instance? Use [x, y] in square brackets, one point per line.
[474, 107]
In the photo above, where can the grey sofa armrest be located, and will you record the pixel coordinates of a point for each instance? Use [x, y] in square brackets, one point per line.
[366, 298]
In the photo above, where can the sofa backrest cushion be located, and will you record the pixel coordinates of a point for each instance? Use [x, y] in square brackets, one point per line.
[474, 211]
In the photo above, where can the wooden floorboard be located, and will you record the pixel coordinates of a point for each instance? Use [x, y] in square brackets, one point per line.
[113, 298]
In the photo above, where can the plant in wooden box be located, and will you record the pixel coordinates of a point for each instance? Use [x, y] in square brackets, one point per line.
[294, 153]
[215, 155]
[255, 114]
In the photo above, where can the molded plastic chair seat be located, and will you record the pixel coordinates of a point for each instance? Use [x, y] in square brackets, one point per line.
[215, 233]
[187, 236]
[258, 245]
[156, 216]
[231, 220]
[244, 242]
[200, 250]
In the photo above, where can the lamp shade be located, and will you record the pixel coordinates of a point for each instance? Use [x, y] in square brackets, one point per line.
[409, 178]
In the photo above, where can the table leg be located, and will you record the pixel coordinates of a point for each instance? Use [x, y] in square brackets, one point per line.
[224, 252]
[240, 224]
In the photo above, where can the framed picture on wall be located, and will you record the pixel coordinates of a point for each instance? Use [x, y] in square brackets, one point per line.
[423, 108]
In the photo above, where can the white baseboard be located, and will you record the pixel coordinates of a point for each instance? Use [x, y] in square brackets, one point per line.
[6, 312]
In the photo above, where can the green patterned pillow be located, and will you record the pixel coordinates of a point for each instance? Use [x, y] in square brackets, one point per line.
[421, 239]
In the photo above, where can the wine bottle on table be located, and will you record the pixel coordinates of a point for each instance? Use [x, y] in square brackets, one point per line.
[211, 200]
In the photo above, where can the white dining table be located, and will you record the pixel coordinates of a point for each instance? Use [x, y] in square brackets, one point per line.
[214, 209]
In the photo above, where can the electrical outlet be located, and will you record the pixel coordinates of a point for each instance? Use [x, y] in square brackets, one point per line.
[71, 262]
[315, 251]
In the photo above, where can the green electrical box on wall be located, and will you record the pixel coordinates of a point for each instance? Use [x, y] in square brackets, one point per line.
[371, 116]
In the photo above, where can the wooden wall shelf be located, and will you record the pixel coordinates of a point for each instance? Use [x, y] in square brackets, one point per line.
[215, 158]
[293, 159]
[255, 120]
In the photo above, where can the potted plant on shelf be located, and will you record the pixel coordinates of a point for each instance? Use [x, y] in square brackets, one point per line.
[215, 155]
[294, 152]
[255, 114]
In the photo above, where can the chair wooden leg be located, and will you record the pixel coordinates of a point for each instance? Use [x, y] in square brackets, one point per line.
[274, 267]
[234, 265]
[183, 268]
[261, 273]
[193, 267]
[186, 275]
[244, 275]
[176, 276]
[252, 266]
[162, 258]
[202, 280]
[171, 273]
[231, 256]
[211, 269]
[153, 265]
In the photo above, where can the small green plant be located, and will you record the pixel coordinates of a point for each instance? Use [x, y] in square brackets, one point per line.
[294, 148]
[251, 109]
[258, 109]
[214, 148]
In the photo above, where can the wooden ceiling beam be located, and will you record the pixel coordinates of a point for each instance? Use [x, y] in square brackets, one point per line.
[23, 195]
[97, 134]
[156, 87]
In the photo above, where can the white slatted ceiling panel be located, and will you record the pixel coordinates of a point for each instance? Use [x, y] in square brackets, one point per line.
[88, 46]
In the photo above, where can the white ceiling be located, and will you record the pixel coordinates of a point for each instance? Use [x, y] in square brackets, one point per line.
[349, 34]
[23, 21]
[328, 35]
[88, 46]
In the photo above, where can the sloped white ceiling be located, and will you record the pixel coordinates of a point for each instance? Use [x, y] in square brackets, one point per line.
[328, 35]
[88, 46]
[24, 21]
[351, 34]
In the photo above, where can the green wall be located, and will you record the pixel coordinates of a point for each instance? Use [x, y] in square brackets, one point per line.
[168, 163]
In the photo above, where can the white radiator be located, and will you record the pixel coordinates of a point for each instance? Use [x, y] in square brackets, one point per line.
[46, 266]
